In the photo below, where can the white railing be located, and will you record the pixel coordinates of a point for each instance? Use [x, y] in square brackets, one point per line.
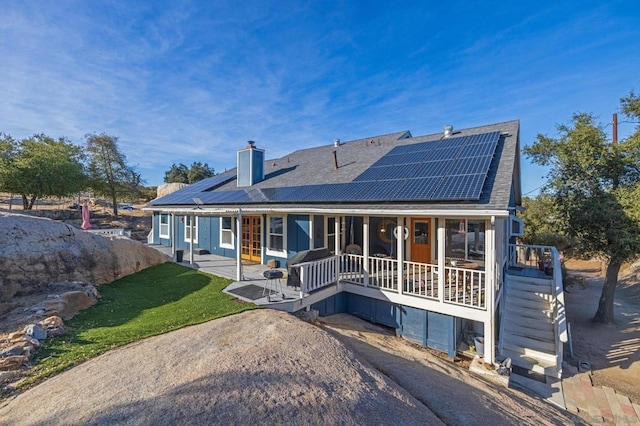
[111, 231]
[420, 279]
[465, 287]
[317, 274]
[559, 311]
[462, 286]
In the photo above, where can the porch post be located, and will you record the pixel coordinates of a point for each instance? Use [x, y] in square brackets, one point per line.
[239, 245]
[192, 220]
[173, 234]
[400, 251]
[442, 237]
[336, 227]
[490, 290]
[365, 249]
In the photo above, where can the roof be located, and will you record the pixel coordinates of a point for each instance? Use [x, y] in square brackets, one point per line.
[307, 178]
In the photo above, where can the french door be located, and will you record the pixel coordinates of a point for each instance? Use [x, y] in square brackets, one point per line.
[251, 248]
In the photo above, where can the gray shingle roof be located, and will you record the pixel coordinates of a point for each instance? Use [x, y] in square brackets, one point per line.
[316, 166]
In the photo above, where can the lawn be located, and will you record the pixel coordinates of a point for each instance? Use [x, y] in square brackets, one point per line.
[154, 301]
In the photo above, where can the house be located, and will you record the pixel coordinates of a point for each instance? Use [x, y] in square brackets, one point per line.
[421, 230]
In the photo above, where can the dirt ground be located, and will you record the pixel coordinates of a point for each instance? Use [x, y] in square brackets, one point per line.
[613, 350]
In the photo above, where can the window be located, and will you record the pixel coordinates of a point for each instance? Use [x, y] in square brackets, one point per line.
[164, 226]
[276, 239]
[187, 229]
[516, 226]
[226, 232]
[465, 239]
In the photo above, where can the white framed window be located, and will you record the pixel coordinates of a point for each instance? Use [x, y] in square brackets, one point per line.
[164, 226]
[188, 227]
[277, 236]
[227, 231]
[516, 226]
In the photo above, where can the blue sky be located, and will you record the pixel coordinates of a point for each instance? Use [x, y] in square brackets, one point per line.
[184, 81]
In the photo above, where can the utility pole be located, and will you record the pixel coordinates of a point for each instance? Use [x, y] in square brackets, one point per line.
[615, 128]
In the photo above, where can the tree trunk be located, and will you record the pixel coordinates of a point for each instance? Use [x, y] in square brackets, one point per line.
[605, 306]
[33, 200]
[114, 198]
[25, 202]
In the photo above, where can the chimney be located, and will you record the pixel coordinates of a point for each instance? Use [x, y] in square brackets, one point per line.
[250, 163]
[448, 130]
[336, 142]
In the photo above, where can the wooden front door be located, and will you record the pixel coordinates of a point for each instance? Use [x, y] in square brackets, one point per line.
[421, 240]
[251, 238]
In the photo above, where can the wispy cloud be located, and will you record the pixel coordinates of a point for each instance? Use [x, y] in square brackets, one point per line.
[182, 81]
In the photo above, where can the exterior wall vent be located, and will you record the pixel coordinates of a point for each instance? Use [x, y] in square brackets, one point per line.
[448, 130]
[250, 165]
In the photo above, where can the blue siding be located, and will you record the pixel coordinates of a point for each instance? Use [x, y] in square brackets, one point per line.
[335, 304]
[298, 233]
[414, 325]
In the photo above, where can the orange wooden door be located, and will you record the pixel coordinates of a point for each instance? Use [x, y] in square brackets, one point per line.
[421, 240]
[251, 248]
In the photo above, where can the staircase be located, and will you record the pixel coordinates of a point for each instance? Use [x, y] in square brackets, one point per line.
[527, 330]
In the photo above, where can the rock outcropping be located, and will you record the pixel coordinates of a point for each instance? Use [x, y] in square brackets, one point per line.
[37, 251]
[168, 188]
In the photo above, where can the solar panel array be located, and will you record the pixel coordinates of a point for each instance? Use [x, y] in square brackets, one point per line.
[450, 169]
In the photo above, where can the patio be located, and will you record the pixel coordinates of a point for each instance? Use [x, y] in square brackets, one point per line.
[254, 287]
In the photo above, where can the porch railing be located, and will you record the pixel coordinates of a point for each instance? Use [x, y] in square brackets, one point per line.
[466, 287]
[531, 256]
[317, 274]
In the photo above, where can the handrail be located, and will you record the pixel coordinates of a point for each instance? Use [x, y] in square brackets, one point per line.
[317, 274]
[559, 311]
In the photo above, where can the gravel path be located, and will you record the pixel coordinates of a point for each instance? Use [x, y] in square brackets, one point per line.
[260, 367]
[455, 395]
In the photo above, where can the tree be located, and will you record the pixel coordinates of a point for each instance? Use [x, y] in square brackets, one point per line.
[177, 174]
[183, 174]
[591, 183]
[199, 171]
[41, 166]
[7, 152]
[109, 174]
[541, 224]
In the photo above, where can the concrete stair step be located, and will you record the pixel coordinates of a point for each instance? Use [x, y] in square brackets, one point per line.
[541, 366]
[538, 345]
[542, 357]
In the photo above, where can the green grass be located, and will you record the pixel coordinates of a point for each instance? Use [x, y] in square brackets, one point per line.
[154, 301]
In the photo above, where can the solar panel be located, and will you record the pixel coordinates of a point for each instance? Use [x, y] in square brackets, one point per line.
[416, 189]
[460, 187]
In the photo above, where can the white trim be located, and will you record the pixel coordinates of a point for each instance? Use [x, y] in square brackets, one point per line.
[231, 244]
[206, 210]
[165, 225]
[278, 253]
[520, 222]
[187, 220]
